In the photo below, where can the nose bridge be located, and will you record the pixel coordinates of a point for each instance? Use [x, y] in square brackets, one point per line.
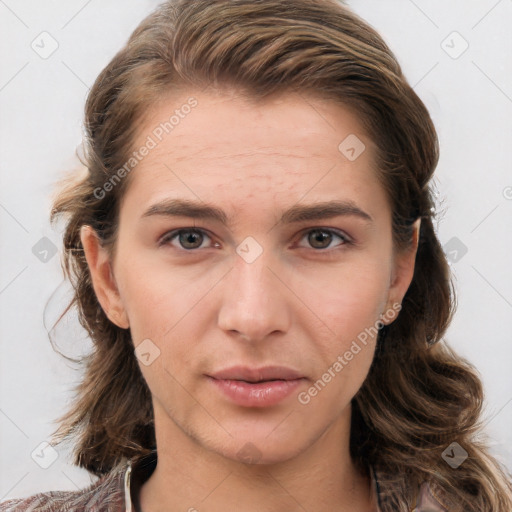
[253, 302]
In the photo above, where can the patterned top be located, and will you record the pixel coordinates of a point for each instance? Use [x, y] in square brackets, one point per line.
[118, 491]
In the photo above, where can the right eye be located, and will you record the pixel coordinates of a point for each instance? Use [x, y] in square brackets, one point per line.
[188, 238]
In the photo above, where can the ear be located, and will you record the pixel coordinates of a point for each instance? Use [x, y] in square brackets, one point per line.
[403, 270]
[102, 277]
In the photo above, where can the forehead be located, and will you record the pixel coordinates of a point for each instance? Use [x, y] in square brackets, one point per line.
[229, 119]
[289, 144]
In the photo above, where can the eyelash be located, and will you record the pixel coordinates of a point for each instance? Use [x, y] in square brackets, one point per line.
[171, 235]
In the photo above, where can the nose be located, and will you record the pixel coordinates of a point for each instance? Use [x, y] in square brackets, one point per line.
[255, 302]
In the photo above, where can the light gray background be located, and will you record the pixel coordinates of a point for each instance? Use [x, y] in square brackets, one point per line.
[41, 102]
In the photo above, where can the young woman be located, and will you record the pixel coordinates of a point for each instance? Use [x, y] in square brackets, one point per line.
[253, 255]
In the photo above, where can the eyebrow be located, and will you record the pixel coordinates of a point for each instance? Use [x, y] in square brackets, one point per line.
[297, 213]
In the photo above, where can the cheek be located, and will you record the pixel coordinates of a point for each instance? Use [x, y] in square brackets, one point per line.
[171, 312]
[157, 299]
[350, 299]
[349, 305]
[344, 354]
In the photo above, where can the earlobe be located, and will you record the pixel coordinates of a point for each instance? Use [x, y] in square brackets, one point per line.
[403, 270]
[105, 287]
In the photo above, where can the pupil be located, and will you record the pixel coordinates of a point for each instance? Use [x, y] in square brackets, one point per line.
[189, 238]
[320, 236]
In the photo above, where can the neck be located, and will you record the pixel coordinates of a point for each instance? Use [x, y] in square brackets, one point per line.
[190, 477]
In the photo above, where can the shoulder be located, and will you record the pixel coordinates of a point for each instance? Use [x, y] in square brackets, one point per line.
[429, 499]
[106, 494]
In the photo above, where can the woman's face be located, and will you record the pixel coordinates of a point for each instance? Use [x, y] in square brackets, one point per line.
[256, 271]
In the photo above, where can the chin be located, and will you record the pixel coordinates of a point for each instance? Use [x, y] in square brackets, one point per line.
[260, 451]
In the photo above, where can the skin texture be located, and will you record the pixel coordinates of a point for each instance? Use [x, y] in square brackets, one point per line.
[301, 303]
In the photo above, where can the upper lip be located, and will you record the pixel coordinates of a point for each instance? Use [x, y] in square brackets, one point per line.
[257, 374]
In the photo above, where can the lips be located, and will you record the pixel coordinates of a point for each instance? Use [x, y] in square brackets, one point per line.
[267, 373]
[257, 387]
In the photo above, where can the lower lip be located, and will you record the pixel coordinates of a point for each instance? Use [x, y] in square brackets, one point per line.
[260, 394]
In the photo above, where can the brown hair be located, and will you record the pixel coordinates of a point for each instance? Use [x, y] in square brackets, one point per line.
[419, 396]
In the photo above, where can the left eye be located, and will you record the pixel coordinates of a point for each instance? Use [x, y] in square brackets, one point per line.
[190, 239]
[318, 236]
